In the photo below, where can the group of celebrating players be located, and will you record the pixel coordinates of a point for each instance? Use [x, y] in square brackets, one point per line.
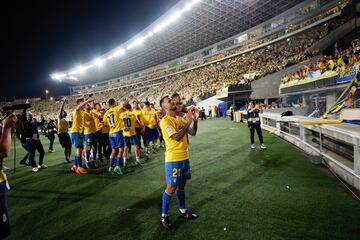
[108, 129]
[121, 125]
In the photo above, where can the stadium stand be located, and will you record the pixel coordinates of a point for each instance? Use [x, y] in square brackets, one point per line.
[201, 79]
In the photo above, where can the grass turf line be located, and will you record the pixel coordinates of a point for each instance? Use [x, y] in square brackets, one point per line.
[254, 194]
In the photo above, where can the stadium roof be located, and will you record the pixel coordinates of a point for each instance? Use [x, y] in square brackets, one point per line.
[187, 27]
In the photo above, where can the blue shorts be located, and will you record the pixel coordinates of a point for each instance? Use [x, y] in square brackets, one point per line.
[89, 139]
[4, 216]
[151, 134]
[130, 140]
[177, 172]
[77, 139]
[116, 139]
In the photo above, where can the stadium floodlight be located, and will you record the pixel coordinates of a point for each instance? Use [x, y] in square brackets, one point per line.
[130, 46]
[99, 62]
[175, 16]
[78, 70]
[58, 76]
[139, 41]
[187, 7]
[110, 57]
[150, 34]
[73, 78]
[119, 52]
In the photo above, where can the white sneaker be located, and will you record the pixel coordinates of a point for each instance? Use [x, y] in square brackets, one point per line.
[42, 166]
[35, 169]
[253, 146]
[87, 164]
[263, 146]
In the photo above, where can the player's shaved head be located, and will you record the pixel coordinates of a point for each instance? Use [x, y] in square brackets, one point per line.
[162, 100]
[111, 102]
[167, 104]
[79, 100]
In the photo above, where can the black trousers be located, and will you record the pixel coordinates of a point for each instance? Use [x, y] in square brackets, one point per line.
[33, 146]
[258, 131]
[24, 145]
[203, 116]
[51, 138]
[106, 149]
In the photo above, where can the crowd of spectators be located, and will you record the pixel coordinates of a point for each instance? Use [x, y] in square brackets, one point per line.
[341, 64]
[253, 42]
[206, 79]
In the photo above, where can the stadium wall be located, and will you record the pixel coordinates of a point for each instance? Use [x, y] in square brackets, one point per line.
[302, 136]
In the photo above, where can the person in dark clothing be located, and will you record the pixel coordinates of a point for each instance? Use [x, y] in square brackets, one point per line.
[21, 136]
[253, 120]
[202, 113]
[31, 134]
[50, 133]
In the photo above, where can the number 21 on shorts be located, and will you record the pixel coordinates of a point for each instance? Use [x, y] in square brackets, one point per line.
[176, 172]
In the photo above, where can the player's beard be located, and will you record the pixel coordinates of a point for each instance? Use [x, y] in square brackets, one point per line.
[173, 107]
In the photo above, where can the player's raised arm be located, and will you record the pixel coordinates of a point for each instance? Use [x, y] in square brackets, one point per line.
[5, 141]
[62, 106]
[85, 102]
[193, 130]
[180, 134]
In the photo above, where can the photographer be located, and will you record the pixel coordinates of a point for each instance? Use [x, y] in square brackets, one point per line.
[5, 144]
[30, 128]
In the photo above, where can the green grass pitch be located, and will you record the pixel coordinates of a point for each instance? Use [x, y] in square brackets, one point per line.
[238, 193]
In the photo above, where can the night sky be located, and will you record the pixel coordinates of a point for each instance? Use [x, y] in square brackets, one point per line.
[42, 37]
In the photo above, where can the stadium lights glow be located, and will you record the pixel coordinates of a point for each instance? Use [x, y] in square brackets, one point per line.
[119, 52]
[99, 62]
[58, 76]
[187, 7]
[175, 17]
[130, 46]
[150, 34]
[139, 41]
[79, 70]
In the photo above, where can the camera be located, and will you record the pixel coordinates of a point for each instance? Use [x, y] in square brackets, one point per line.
[16, 107]
[60, 99]
[7, 110]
